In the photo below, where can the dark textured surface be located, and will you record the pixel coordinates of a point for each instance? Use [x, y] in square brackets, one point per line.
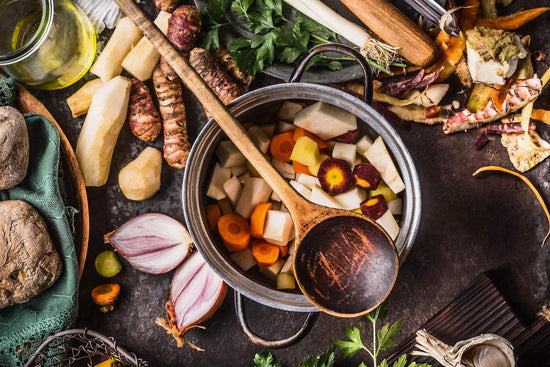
[469, 225]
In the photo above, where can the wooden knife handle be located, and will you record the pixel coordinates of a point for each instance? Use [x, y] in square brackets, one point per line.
[396, 29]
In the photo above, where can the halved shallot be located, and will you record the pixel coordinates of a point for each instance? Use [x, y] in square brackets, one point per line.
[153, 243]
[196, 292]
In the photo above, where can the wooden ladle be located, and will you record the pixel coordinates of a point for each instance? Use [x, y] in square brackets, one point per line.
[345, 264]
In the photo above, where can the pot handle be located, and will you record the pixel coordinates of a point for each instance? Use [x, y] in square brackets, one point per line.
[343, 49]
[272, 344]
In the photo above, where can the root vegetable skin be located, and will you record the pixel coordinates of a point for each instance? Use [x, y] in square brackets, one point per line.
[143, 116]
[226, 61]
[172, 110]
[166, 5]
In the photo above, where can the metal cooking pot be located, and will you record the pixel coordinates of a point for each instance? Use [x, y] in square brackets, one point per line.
[257, 106]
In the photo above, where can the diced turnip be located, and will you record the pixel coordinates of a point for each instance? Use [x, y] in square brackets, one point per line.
[379, 157]
[395, 206]
[433, 95]
[275, 197]
[387, 221]
[289, 110]
[228, 154]
[259, 138]
[283, 127]
[318, 196]
[272, 270]
[245, 176]
[255, 191]
[287, 267]
[285, 281]
[363, 145]
[325, 120]
[215, 187]
[307, 180]
[239, 170]
[351, 199]
[285, 169]
[269, 130]
[301, 189]
[233, 189]
[345, 152]
[225, 206]
[278, 227]
[244, 259]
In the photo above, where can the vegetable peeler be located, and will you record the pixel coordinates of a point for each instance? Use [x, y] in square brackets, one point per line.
[434, 13]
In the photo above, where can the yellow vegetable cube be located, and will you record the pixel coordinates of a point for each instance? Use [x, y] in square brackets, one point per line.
[285, 281]
[306, 151]
[314, 168]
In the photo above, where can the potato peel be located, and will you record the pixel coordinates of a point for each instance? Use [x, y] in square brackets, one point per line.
[529, 184]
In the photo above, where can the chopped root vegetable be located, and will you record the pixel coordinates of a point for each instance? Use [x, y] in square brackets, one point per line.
[300, 168]
[105, 296]
[226, 61]
[299, 132]
[282, 145]
[235, 232]
[167, 5]
[529, 184]
[257, 220]
[513, 21]
[541, 115]
[213, 213]
[143, 116]
[283, 251]
[265, 253]
[80, 101]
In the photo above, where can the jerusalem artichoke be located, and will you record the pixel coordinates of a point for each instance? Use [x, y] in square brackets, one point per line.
[166, 5]
[226, 61]
[80, 101]
[143, 116]
[172, 110]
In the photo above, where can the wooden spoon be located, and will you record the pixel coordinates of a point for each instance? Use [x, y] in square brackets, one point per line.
[345, 264]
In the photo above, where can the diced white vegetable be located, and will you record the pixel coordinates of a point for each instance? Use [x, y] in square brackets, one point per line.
[255, 191]
[379, 157]
[215, 187]
[301, 189]
[272, 270]
[285, 281]
[269, 130]
[233, 189]
[244, 259]
[285, 169]
[308, 180]
[318, 196]
[259, 138]
[283, 127]
[363, 145]
[395, 206]
[275, 197]
[433, 95]
[245, 176]
[325, 120]
[352, 198]
[228, 154]
[289, 110]
[345, 152]
[239, 170]
[278, 227]
[225, 206]
[252, 170]
[387, 221]
[287, 267]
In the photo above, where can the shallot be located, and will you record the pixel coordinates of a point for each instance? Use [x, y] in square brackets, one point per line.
[196, 292]
[153, 243]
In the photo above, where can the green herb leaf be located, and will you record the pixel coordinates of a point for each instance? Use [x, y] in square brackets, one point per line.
[211, 40]
[350, 348]
[264, 359]
[401, 362]
[312, 26]
[240, 8]
[326, 359]
[384, 363]
[380, 312]
[386, 332]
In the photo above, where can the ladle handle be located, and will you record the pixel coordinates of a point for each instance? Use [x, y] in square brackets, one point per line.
[194, 82]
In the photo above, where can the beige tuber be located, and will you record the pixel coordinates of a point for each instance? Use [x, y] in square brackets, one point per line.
[140, 179]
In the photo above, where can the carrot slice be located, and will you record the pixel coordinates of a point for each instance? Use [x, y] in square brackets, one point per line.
[265, 253]
[281, 146]
[283, 251]
[257, 220]
[213, 213]
[300, 168]
[299, 132]
[235, 232]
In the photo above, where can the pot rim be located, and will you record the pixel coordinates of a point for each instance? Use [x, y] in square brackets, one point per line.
[193, 212]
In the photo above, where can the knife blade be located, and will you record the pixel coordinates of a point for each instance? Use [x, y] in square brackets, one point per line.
[433, 12]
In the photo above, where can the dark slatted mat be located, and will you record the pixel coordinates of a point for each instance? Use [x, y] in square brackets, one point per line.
[482, 309]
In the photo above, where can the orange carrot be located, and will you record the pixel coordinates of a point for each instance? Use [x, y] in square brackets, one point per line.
[213, 213]
[541, 115]
[265, 253]
[513, 21]
[299, 132]
[469, 15]
[283, 251]
[281, 146]
[300, 168]
[235, 232]
[257, 220]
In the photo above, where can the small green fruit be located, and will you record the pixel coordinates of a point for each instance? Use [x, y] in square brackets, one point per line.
[107, 264]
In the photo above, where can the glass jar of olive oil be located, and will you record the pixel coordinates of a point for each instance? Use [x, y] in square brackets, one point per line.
[48, 44]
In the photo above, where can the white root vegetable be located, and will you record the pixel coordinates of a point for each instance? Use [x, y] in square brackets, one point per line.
[100, 130]
[80, 101]
[140, 179]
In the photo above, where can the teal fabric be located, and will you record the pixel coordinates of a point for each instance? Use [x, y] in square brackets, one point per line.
[25, 326]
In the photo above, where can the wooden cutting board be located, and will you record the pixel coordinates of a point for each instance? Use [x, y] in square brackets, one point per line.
[481, 308]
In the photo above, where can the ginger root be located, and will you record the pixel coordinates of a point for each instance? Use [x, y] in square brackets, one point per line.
[143, 116]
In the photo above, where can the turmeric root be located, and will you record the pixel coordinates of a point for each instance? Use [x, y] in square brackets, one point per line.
[183, 31]
[167, 5]
[172, 110]
[143, 116]
[226, 61]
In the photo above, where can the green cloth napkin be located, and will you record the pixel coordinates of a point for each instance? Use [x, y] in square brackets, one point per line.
[25, 326]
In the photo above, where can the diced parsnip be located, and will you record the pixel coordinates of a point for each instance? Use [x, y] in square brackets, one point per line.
[239, 170]
[225, 206]
[255, 191]
[379, 157]
[318, 196]
[259, 138]
[140, 179]
[346, 152]
[305, 151]
[100, 130]
[285, 169]
[289, 110]
[80, 101]
[315, 168]
[363, 145]
[395, 206]
[287, 267]
[252, 170]
[269, 130]
[352, 198]
[109, 63]
[228, 154]
[325, 120]
[301, 189]
[245, 176]
[142, 60]
[285, 281]
[233, 189]
[433, 95]
[385, 191]
[272, 270]
[283, 127]
[275, 197]
[278, 227]
[215, 187]
[387, 221]
[308, 180]
[244, 259]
